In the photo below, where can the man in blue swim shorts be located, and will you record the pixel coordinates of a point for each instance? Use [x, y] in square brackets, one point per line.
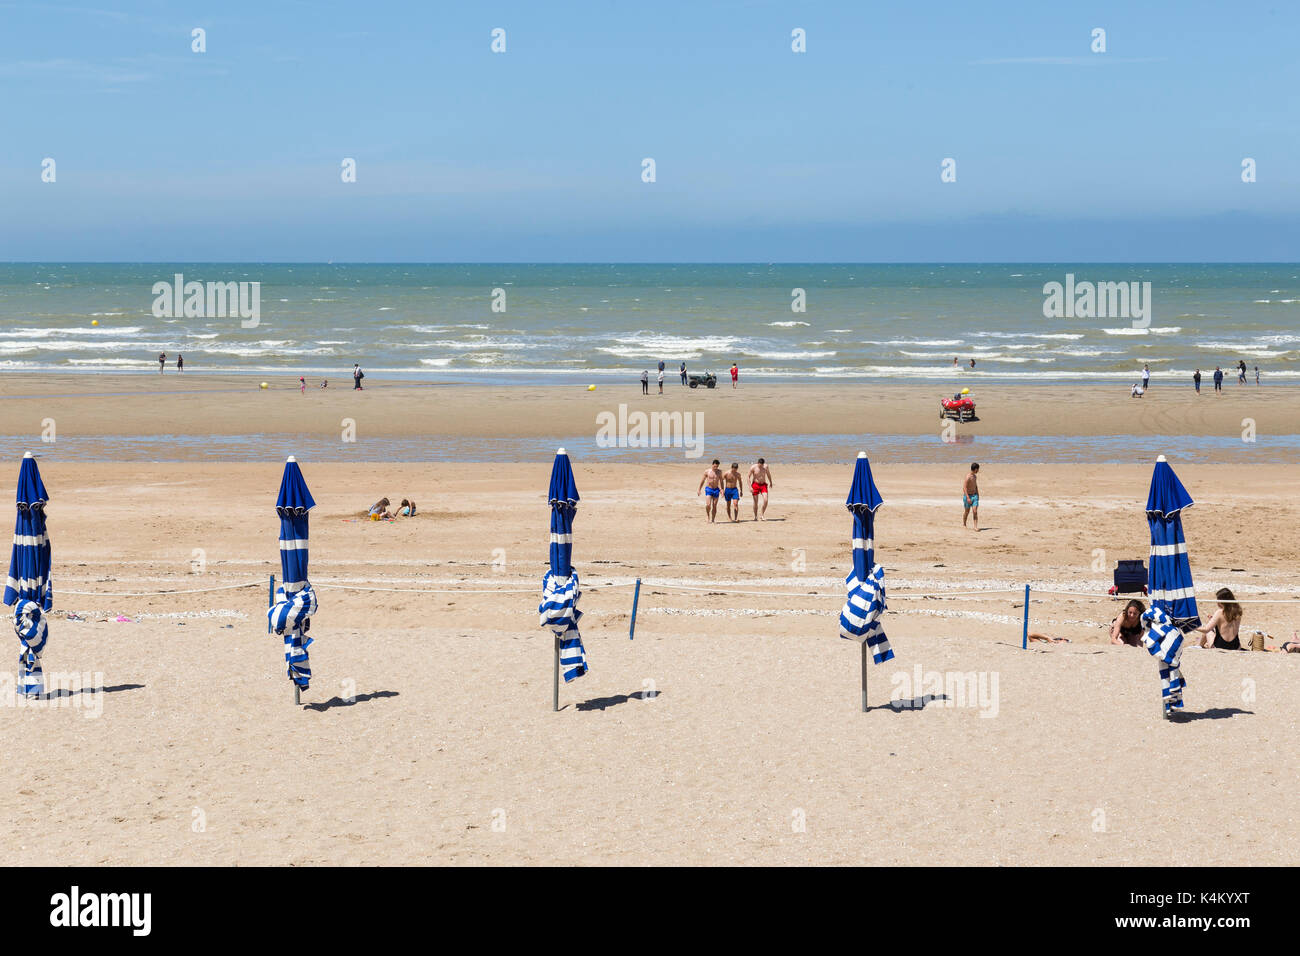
[970, 496]
[711, 487]
[732, 489]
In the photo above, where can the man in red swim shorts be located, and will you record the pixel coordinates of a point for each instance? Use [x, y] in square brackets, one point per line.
[735, 374]
[760, 480]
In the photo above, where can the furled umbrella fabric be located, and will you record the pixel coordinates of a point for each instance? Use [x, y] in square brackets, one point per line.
[865, 601]
[1170, 578]
[295, 601]
[560, 590]
[28, 588]
[1164, 641]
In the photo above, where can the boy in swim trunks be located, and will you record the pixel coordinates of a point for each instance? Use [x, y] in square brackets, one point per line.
[710, 484]
[970, 496]
[760, 480]
[732, 489]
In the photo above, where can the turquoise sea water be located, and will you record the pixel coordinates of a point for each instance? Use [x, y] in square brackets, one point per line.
[567, 322]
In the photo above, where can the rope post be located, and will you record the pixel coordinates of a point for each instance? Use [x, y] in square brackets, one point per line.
[1024, 635]
[864, 675]
[555, 678]
[636, 596]
[270, 602]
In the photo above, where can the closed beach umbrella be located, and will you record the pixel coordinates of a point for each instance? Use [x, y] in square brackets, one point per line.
[1170, 578]
[27, 589]
[1173, 601]
[560, 593]
[295, 601]
[865, 602]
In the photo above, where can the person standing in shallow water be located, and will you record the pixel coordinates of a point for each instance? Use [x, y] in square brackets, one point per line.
[1196, 380]
[645, 382]
[162, 362]
[180, 363]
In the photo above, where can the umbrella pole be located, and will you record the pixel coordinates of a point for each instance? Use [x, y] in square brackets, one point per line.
[555, 678]
[864, 675]
[1024, 634]
[636, 596]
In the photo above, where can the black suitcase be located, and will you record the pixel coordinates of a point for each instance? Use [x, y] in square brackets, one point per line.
[1130, 577]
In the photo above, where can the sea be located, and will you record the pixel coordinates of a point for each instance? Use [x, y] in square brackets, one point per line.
[545, 323]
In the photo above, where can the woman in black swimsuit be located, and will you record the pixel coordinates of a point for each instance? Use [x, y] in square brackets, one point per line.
[1127, 628]
[1225, 624]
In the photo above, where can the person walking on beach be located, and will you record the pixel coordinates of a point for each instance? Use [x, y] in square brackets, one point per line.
[683, 373]
[302, 385]
[1146, 377]
[661, 378]
[970, 496]
[711, 486]
[162, 362]
[1256, 374]
[180, 364]
[1218, 379]
[1196, 380]
[735, 374]
[760, 483]
[732, 490]
[645, 382]
[357, 376]
[1241, 372]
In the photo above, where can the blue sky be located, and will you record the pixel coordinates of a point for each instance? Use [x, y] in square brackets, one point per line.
[762, 154]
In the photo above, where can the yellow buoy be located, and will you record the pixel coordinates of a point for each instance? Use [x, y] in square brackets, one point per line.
[264, 385]
[591, 388]
[94, 321]
[965, 391]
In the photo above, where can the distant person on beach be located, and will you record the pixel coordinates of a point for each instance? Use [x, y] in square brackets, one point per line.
[324, 383]
[1288, 647]
[661, 378]
[645, 382]
[1224, 624]
[732, 489]
[954, 361]
[683, 373]
[1138, 391]
[180, 367]
[1218, 379]
[1256, 374]
[1196, 380]
[760, 483]
[162, 362]
[1241, 372]
[970, 496]
[735, 374]
[302, 385]
[972, 363]
[711, 487]
[1127, 628]
[407, 509]
[357, 376]
[1146, 377]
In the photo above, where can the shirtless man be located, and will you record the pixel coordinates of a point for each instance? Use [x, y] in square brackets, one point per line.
[760, 482]
[970, 496]
[732, 490]
[710, 485]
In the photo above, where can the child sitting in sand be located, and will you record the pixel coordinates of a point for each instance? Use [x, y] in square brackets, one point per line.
[379, 511]
[407, 509]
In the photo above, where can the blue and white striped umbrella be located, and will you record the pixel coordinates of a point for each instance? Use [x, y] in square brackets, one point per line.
[295, 601]
[28, 588]
[860, 618]
[560, 591]
[1170, 578]
[1164, 641]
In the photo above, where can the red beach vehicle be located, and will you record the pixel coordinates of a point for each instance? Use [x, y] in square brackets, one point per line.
[959, 408]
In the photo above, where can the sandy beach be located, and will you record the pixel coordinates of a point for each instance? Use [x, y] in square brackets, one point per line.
[196, 404]
[427, 735]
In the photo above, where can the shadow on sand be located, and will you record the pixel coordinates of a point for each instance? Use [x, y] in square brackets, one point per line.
[600, 703]
[65, 692]
[911, 703]
[1214, 713]
[341, 702]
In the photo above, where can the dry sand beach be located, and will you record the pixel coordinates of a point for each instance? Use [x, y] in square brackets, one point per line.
[427, 735]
